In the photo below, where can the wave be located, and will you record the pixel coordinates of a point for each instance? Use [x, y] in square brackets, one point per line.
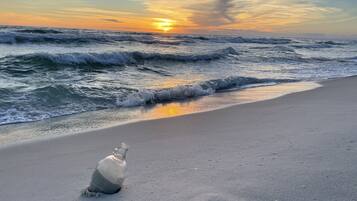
[354, 59]
[76, 37]
[278, 48]
[314, 46]
[229, 39]
[6, 38]
[294, 58]
[192, 38]
[154, 70]
[116, 58]
[226, 39]
[64, 99]
[39, 31]
[297, 59]
[273, 41]
[39, 38]
[50, 101]
[330, 43]
[147, 97]
[68, 36]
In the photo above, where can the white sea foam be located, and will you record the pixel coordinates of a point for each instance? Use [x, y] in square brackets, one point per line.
[145, 97]
[75, 100]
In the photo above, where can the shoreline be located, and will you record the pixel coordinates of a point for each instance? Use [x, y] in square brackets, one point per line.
[300, 146]
[147, 113]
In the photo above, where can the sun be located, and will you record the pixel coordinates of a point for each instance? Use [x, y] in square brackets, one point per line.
[164, 24]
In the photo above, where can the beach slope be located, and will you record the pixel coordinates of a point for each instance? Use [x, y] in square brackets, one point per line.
[298, 147]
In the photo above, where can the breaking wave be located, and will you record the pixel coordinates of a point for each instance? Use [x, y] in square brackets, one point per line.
[117, 58]
[145, 97]
[65, 99]
[50, 72]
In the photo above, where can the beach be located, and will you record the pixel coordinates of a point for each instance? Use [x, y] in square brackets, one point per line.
[297, 147]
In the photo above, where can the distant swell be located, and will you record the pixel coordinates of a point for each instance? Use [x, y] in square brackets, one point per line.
[145, 97]
[320, 45]
[273, 41]
[296, 58]
[52, 36]
[230, 39]
[118, 58]
[48, 36]
[312, 46]
[331, 43]
[278, 48]
[39, 31]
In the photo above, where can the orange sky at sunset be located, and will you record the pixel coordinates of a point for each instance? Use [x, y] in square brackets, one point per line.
[285, 16]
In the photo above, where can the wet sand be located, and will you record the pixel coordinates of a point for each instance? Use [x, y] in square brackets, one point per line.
[300, 146]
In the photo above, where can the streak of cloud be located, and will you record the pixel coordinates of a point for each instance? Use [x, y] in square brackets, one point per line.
[112, 20]
[215, 13]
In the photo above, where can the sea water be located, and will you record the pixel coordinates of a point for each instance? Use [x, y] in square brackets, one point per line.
[47, 72]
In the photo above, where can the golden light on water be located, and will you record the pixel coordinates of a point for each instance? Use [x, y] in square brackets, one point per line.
[171, 110]
[164, 24]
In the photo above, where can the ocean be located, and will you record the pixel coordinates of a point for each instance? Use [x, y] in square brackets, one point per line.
[50, 72]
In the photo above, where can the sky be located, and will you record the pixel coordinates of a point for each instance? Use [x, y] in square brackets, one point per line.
[327, 17]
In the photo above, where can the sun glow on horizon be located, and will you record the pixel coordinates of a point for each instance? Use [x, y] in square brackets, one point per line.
[164, 24]
[185, 16]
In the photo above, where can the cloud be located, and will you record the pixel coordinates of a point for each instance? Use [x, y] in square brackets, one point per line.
[263, 15]
[189, 15]
[112, 20]
[214, 13]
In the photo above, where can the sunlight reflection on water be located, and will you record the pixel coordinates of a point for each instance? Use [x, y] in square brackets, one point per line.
[112, 117]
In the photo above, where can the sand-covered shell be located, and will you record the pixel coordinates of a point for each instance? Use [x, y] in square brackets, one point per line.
[109, 174]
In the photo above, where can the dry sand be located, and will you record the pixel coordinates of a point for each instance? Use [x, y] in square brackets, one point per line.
[298, 147]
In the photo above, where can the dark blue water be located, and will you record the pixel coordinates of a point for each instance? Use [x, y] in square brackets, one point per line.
[47, 73]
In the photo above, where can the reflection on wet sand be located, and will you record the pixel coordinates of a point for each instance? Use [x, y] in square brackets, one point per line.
[170, 110]
[113, 117]
[219, 100]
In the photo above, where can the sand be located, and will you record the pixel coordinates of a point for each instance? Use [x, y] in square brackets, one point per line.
[300, 146]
